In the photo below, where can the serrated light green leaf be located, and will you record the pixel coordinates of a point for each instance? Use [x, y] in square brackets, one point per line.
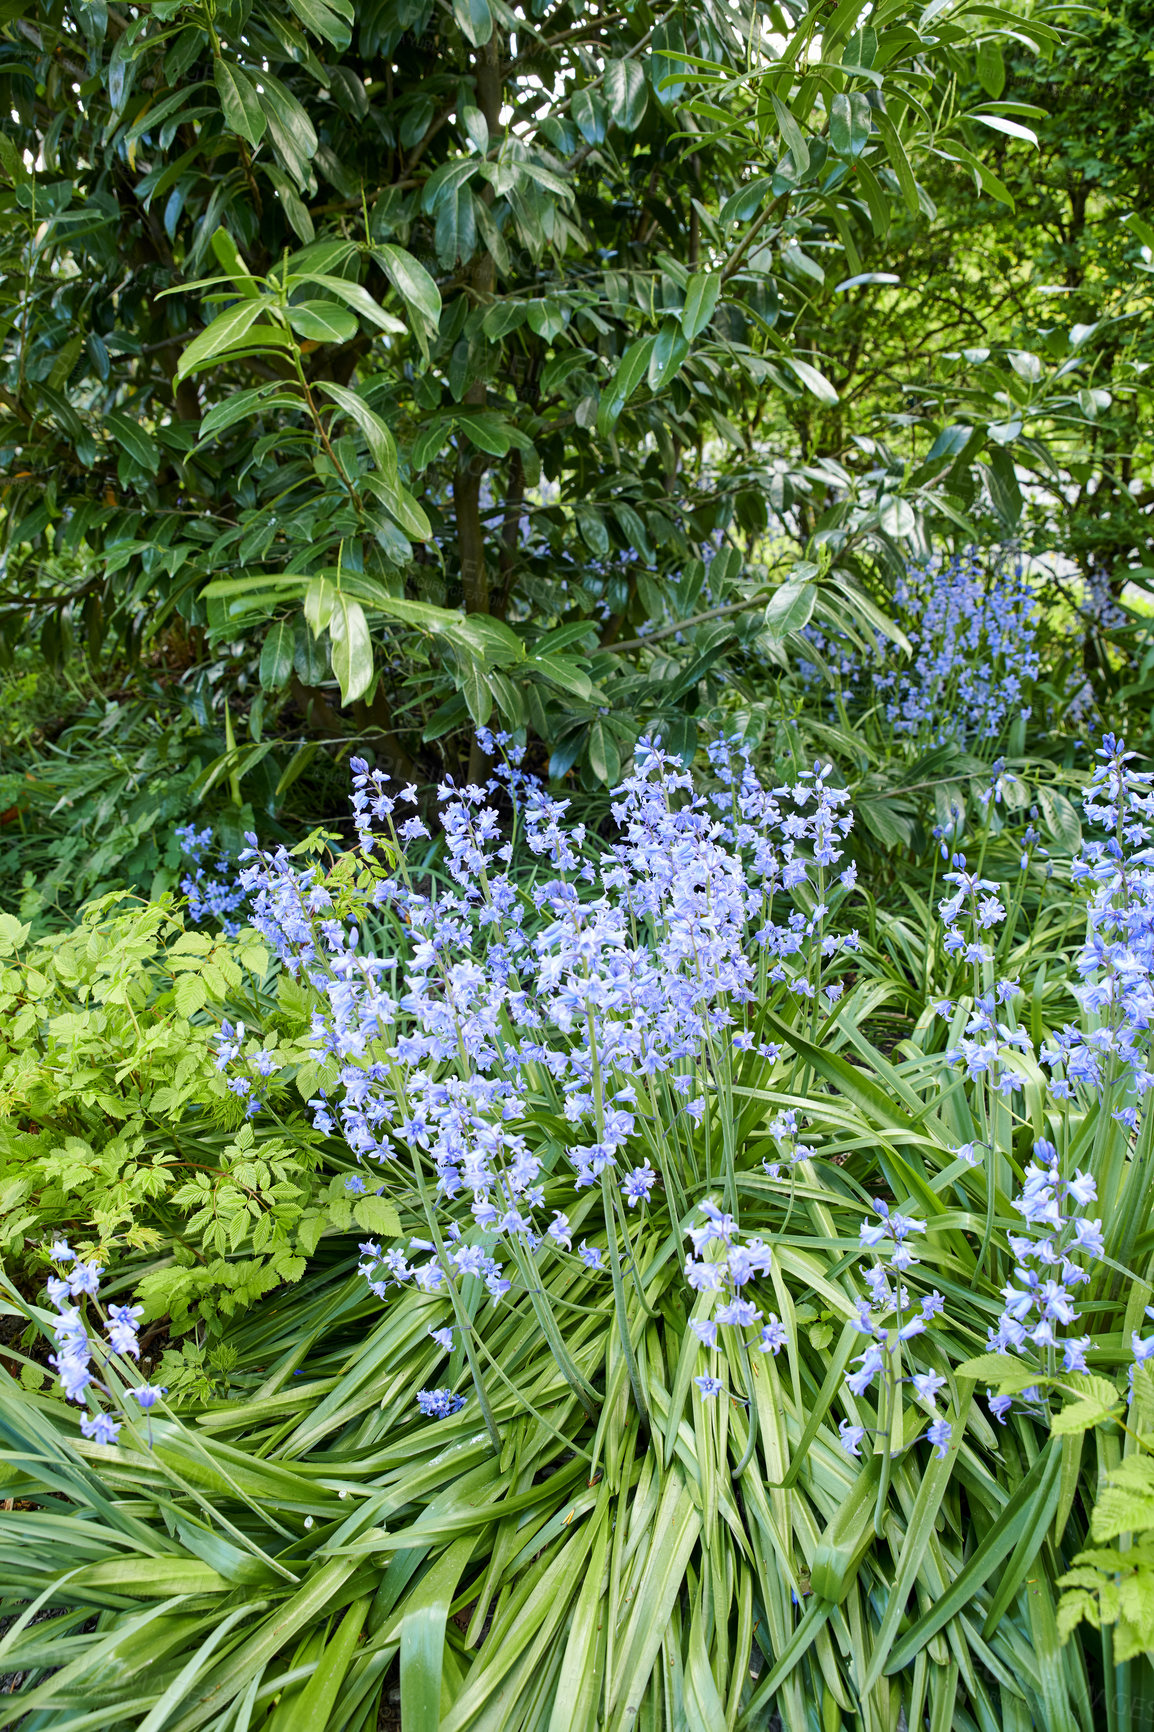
[377, 1215]
[190, 994]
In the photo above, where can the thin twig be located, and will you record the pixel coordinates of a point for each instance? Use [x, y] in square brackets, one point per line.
[725, 612]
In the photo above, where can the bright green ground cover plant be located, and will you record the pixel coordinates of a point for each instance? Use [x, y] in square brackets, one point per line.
[117, 1128]
[627, 1500]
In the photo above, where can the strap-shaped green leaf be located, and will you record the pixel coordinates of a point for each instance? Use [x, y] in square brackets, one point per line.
[847, 1536]
[676, 1528]
[1001, 1539]
[919, 1532]
[795, 1649]
[1039, 1515]
[423, 1638]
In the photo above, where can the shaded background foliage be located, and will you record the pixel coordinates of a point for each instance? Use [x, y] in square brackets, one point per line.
[568, 349]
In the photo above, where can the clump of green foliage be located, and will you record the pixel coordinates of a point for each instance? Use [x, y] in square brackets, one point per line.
[118, 1130]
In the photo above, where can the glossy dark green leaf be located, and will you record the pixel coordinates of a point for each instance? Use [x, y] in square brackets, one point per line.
[413, 283]
[429, 441]
[591, 115]
[1004, 488]
[352, 649]
[626, 93]
[290, 130]
[669, 350]
[323, 322]
[131, 437]
[261, 399]
[486, 432]
[231, 329]
[475, 20]
[991, 67]
[701, 296]
[790, 608]
[239, 100]
[630, 371]
[594, 534]
[331, 20]
[473, 685]
[276, 655]
[899, 161]
[377, 435]
[813, 380]
[354, 296]
[849, 123]
[604, 757]
[792, 135]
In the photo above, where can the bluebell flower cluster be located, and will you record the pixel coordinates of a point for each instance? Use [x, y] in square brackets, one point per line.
[784, 1128]
[1099, 606]
[1040, 1304]
[1100, 1062]
[1116, 965]
[723, 1263]
[439, 1403]
[991, 1039]
[1142, 1347]
[972, 631]
[839, 657]
[251, 1064]
[890, 1316]
[77, 1351]
[209, 881]
[623, 982]
[383, 1269]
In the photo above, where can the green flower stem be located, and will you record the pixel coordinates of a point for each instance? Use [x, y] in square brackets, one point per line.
[891, 1420]
[458, 1309]
[578, 1383]
[562, 1437]
[619, 1302]
[751, 1410]
[611, 1233]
